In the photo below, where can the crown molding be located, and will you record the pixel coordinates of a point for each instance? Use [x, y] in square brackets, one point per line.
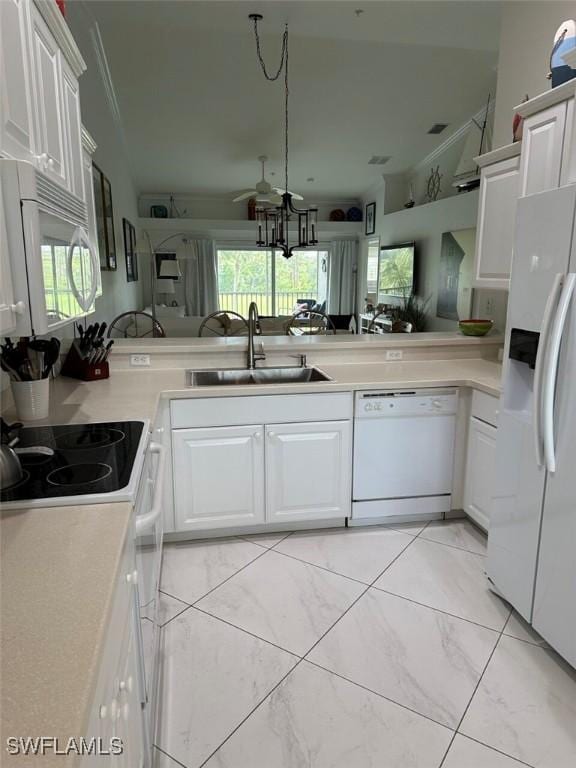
[62, 34]
[458, 134]
[104, 69]
[88, 143]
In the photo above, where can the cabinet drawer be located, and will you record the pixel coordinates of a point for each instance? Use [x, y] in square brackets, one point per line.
[485, 407]
[260, 409]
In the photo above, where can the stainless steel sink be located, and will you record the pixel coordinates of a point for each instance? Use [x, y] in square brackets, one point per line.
[241, 376]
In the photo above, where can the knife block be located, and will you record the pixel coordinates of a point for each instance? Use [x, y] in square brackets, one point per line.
[76, 367]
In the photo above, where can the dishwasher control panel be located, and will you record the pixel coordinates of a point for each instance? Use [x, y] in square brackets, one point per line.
[385, 403]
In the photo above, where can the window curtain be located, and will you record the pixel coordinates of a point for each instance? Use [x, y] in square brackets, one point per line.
[201, 278]
[342, 277]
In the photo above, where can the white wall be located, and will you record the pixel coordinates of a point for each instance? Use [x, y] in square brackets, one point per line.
[222, 208]
[118, 294]
[425, 224]
[526, 39]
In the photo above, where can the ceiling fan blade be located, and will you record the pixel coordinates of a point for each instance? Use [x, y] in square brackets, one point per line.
[295, 195]
[245, 195]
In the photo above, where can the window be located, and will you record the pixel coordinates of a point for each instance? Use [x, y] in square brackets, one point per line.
[276, 284]
[60, 301]
[372, 270]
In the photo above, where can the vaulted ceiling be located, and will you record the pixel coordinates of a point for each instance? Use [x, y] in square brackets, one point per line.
[197, 111]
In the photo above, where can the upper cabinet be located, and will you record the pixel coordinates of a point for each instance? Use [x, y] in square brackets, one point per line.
[545, 159]
[549, 140]
[40, 103]
[499, 178]
[16, 115]
[48, 104]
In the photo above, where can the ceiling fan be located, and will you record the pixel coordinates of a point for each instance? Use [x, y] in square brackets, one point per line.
[264, 192]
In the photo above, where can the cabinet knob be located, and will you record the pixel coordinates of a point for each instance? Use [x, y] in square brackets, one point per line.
[122, 685]
[257, 435]
[103, 712]
[18, 308]
[272, 434]
[132, 577]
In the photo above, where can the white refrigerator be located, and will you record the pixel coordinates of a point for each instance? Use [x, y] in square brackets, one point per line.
[532, 539]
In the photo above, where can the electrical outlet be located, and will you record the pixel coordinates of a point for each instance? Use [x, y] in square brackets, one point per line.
[140, 360]
[394, 354]
[489, 307]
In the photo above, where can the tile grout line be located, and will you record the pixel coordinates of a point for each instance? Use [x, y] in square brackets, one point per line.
[169, 755]
[246, 631]
[457, 730]
[301, 659]
[498, 751]
[380, 695]
[243, 537]
[259, 704]
[190, 605]
[323, 568]
[439, 610]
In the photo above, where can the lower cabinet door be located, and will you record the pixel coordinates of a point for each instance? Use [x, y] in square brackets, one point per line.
[480, 471]
[218, 477]
[308, 468]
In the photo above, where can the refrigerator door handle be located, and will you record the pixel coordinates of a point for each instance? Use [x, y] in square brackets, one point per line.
[547, 319]
[552, 371]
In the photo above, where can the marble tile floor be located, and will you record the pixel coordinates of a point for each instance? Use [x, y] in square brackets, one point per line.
[374, 647]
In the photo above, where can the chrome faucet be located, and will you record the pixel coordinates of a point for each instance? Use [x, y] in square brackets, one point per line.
[253, 321]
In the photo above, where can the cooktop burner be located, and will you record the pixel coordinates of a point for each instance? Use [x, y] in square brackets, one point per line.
[86, 459]
[79, 474]
[81, 438]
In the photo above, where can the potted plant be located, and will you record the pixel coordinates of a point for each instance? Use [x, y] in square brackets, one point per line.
[411, 310]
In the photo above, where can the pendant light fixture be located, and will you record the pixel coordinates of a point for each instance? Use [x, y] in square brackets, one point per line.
[273, 221]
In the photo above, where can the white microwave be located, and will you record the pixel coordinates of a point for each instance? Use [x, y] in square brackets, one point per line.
[55, 266]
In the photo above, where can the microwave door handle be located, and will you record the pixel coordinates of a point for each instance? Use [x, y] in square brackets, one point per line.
[144, 522]
[551, 372]
[79, 239]
[547, 319]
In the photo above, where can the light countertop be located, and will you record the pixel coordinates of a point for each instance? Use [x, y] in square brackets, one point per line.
[58, 570]
[59, 565]
[135, 394]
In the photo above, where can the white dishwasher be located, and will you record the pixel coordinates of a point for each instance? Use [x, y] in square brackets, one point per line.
[403, 454]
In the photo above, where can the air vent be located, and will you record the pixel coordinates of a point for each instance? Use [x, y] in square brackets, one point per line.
[378, 159]
[438, 128]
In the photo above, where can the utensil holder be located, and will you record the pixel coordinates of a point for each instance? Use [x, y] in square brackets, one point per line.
[32, 399]
[77, 367]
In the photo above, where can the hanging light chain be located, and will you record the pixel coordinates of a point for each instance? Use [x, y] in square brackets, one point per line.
[283, 56]
[282, 66]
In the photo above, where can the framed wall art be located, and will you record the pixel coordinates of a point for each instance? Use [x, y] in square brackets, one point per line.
[370, 219]
[130, 251]
[104, 219]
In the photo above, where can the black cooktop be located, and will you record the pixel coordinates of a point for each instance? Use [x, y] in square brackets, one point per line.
[83, 459]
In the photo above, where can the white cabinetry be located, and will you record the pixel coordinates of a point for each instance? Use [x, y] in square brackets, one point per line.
[50, 132]
[306, 471]
[549, 140]
[481, 458]
[218, 477]
[116, 711]
[16, 115]
[496, 217]
[39, 97]
[287, 458]
[9, 308]
[542, 151]
[73, 130]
